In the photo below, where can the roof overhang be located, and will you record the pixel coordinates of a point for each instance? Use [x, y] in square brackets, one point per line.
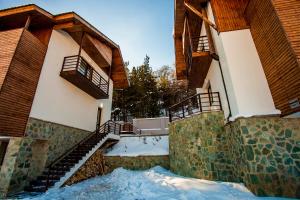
[180, 13]
[70, 22]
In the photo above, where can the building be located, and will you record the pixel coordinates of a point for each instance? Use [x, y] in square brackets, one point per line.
[242, 57]
[248, 51]
[57, 73]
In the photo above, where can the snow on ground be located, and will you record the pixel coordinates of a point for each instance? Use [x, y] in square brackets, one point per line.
[153, 184]
[143, 145]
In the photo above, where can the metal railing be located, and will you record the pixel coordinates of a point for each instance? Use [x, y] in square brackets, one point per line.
[80, 65]
[128, 127]
[109, 127]
[203, 102]
[201, 43]
[121, 117]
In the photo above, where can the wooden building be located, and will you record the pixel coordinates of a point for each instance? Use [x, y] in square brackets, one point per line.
[248, 50]
[57, 74]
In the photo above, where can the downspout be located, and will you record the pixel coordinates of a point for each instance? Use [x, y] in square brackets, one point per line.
[216, 57]
[225, 88]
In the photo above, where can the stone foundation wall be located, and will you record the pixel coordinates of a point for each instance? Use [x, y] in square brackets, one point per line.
[261, 152]
[199, 149]
[7, 168]
[94, 166]
[98, 165]
[60, 137]
[136, 163]
[27, 156]
[266, 153]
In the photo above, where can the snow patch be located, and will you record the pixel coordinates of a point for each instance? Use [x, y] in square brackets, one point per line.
[153, 184]
[141, 146]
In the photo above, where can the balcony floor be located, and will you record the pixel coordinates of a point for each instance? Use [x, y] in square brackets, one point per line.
[84, 84]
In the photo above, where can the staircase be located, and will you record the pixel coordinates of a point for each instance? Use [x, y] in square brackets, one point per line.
[58, 172]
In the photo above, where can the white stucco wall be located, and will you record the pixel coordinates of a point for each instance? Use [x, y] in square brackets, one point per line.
[57, 100]
[246, 84]
[152, 126]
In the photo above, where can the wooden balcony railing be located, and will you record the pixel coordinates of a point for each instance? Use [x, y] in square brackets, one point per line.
[203, 102]
[77, 70]
[201, 43]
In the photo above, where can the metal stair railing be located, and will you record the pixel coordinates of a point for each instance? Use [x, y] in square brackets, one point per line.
[108, 127]
[202, 102]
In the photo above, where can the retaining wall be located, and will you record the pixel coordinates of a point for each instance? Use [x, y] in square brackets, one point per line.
[261, 152]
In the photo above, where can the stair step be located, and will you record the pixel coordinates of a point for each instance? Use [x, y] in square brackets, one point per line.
[64, 165]
[43, 182]
[41, 188]
[52, 177]
[55, 172]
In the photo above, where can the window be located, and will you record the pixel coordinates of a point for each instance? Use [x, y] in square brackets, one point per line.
[3, 147]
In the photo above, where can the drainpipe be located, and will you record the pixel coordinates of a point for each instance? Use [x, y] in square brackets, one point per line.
[225, 88]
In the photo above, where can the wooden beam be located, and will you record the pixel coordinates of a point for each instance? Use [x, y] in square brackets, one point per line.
[194, 10]
[27, 23]
[209, 34]
[81, 40]
[64, 26]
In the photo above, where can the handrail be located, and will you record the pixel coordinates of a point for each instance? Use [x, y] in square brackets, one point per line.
[82, 67]
[198, 103]
[66, 154]
[132, 128]
[104, 129]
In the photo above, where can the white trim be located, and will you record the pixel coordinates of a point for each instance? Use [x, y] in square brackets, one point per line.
[5, 138]
[83, 160]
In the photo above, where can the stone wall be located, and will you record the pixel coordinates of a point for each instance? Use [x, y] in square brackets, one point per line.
[136, 163]
[262, 152]
[60, 138]
[94, 166]
[266, 154]
[27, 156]
[198, 147]
[98, 165]
[7, 168]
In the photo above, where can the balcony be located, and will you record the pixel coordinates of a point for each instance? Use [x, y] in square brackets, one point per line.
[200, 46]
[199, 103]
[77, 71]
[198, 59]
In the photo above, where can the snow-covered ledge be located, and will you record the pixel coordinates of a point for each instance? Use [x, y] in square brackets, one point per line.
[141, 146]
[74, 169]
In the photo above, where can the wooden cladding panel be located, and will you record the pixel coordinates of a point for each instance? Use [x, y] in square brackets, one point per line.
[276, 54]
[20, 84]
[118, 71]
[8, 44]
[229, 14]
[289, 15]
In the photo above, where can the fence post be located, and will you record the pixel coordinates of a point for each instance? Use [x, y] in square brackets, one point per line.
[182, 107]
[62, 68]
[200, 103]
[170, 115]
[115, 128]
[220, 101]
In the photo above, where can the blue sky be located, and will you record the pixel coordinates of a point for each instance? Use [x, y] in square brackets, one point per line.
[140, 27]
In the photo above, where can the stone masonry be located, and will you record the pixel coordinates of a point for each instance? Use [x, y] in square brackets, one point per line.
[261, 152]
[27, 156]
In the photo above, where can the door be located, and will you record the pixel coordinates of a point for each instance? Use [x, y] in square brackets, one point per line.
[99, 114]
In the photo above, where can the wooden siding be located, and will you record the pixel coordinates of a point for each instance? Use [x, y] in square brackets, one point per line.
[8, 43]
[18, 90]
[229, 14]
[276, 54]
[289, 14]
